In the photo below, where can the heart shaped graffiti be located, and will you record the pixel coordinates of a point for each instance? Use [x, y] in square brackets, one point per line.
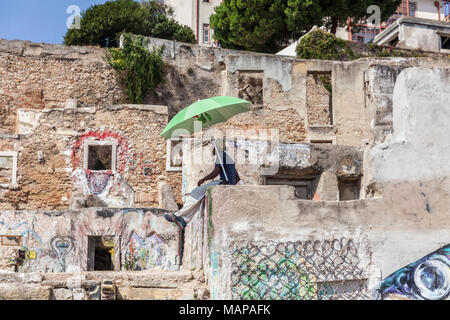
[61, 245]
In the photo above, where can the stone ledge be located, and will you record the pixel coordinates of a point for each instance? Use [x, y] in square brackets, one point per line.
[143, 107]
[24, 292]
[58, 51]
[9, 136]
[130, 293]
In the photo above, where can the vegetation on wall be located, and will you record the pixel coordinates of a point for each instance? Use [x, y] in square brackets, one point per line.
[322, 45]
[102, 24]
[140, 69]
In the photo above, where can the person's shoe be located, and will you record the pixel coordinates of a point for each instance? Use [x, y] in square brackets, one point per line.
[179, 221]
[169, 217]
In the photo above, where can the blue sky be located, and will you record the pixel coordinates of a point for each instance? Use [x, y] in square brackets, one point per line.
[37, 20]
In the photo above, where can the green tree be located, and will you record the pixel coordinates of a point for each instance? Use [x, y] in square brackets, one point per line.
[265, 25]
[255, 25]
[102, 24]
[303, 14]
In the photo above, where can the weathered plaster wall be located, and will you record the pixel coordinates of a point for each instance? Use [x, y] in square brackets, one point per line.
[57, 241]
[264, 219]
[416, 150]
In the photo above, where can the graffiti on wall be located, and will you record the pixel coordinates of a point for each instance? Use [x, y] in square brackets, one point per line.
[143, 253]
[425, 279]
[142, 234]
[61, 246]
[309, 270]
[138, 165]
[97, 180]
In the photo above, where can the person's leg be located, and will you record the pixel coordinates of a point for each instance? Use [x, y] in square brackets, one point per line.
[191, 206]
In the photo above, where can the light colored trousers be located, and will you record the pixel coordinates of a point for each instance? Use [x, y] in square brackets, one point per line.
[194, 201]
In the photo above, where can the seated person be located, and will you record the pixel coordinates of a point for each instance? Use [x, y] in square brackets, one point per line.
[185, 215]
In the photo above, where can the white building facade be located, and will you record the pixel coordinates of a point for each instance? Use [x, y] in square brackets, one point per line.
[195, 14]
[438, 10]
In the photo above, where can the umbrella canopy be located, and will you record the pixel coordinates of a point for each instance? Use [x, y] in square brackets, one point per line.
[209, 111]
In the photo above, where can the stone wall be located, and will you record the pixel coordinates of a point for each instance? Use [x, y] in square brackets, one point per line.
[143, 285]
[51, 152]
[43, 76]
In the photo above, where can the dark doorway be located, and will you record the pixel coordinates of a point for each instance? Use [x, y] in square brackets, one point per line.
[100, 253]
[103, 260]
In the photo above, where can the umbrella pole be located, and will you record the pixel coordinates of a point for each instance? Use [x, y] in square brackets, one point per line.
[217, 154]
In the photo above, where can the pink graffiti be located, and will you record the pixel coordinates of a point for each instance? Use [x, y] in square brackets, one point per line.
[98, 180]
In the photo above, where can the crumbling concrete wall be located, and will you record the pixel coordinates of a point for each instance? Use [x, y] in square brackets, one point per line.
[58, 241]
[263, 243]
[338, 250]
[257, 160]
[202, 72]
[415, 151]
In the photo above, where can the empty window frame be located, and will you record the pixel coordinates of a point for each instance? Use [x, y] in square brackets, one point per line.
[303, 187]
[348, 190]
[251, 86]
[10, 240]
[100, 155]
[206, 33]
[319, 96]
[445, 41]
[8, 168]
[174, 154]
[412, 9]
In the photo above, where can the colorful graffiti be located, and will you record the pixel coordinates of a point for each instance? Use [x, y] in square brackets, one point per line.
[59, 241]
[138, 165]
[297, 270]
[426, 279]
[143, 253]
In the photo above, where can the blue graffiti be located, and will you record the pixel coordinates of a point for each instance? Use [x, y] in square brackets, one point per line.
[426, 279]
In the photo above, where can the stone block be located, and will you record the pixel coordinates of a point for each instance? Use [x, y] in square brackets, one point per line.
[62, 294]
[167, 199]
[79, 294]
[24, 292]
[132, 293]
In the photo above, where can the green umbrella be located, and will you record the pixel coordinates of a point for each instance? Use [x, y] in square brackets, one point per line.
[209, 112]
